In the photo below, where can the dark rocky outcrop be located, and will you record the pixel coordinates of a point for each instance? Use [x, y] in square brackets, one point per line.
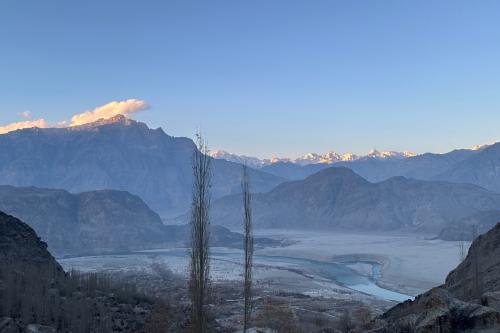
[36, 295]
[20, 244]
[469, 301]
[480, 271]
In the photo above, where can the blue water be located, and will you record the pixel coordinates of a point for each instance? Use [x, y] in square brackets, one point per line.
[336, 272]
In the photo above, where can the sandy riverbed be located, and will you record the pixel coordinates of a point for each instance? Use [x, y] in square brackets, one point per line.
[411, 264]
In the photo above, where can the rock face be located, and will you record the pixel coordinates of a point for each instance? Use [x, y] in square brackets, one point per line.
[119, 154]
[339, 198]
[20, 244]
[23, 256]
[480, 271]
[36, 295]
[100, 221]
[469, 301]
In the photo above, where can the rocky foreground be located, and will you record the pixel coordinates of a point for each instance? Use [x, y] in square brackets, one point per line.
[469, 300]
[36, 295]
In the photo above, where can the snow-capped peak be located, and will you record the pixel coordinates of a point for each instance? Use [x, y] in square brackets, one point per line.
[252, 162]
[330, 157]
[388, 154]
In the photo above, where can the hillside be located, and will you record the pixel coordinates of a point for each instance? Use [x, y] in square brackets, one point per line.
[99, 221]
[339, 198]
[117, 153]
[91, 222]
[482, 169]
[36, 295]
[469, 300]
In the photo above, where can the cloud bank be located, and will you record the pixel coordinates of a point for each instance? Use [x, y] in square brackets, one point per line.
[105, 111]
[40, 123]
[109, 110]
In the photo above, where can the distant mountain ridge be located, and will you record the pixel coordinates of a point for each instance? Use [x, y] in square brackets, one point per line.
[337, 197]
[116, 153]
[479, 165]
[330, 157]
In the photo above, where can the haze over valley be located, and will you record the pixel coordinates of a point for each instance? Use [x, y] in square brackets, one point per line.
[249, 166]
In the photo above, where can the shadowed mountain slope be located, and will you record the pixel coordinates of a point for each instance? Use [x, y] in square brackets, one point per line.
[100, 221]
[116, 153]
[339, 198]
[482, 169]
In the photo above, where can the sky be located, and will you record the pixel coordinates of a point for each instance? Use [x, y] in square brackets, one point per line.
[262, 78]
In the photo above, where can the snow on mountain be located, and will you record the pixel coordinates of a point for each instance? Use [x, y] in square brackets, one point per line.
[330, 157]
[252, 162]
[389, 154]
[483, 146]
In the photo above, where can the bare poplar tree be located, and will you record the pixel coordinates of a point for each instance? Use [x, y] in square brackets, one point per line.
[248, 247]
[200, 266]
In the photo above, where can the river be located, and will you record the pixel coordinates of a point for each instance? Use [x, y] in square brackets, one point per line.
[176, 259]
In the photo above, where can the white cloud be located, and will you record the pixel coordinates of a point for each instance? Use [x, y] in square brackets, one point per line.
[105, 111]
[109, 110]
[40, 123]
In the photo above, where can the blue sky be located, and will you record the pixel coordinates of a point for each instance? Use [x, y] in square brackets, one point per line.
[264, 77]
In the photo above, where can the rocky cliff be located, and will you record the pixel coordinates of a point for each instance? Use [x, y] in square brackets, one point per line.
[20, 244]
[36, 295]
[469, 300]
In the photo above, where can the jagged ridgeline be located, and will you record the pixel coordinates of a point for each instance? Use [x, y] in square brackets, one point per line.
[116, 153]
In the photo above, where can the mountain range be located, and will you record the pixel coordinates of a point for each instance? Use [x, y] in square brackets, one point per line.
[385, 190]
[337, 197]
[330, 157]
[479, 165]
[120, 154]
